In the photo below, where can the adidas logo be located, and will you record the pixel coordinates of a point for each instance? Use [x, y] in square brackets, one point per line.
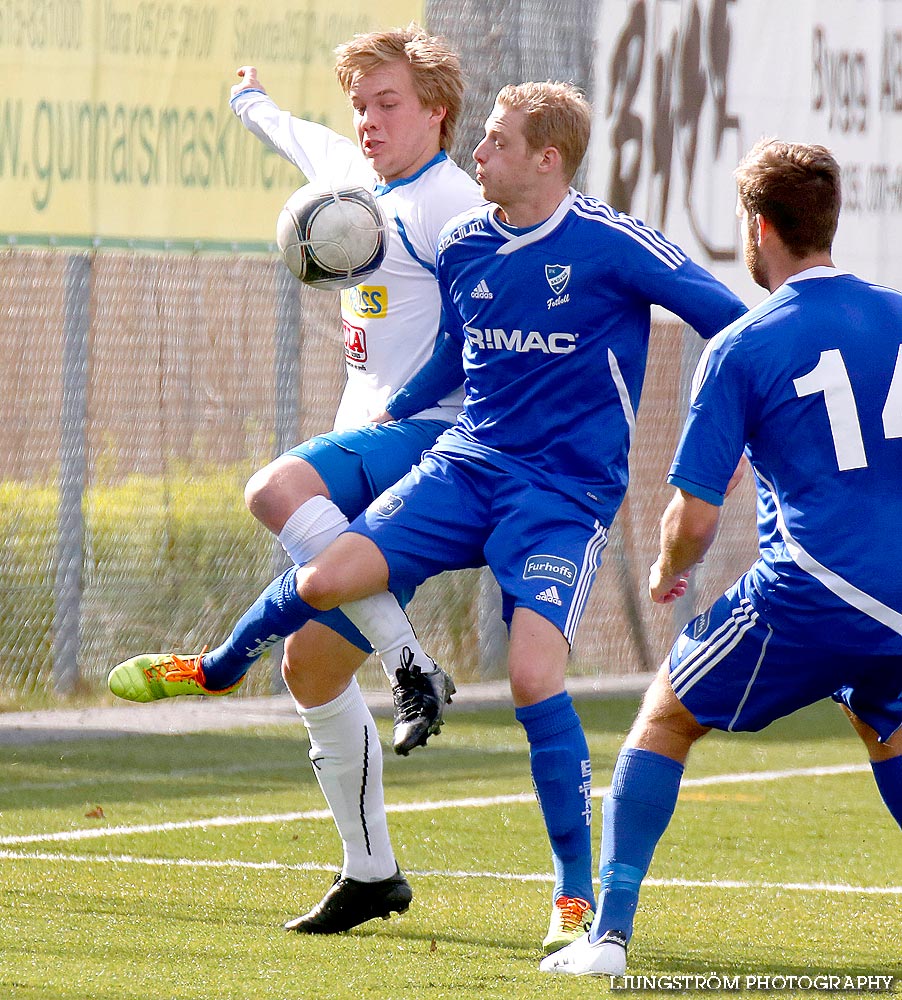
[481, 291]
[551, 596]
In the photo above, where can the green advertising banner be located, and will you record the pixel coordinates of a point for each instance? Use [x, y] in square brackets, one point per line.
[115, 129]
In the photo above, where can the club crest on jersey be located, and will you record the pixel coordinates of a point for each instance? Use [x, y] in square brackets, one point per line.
[387, 504]
[550, 568]
[557, 276]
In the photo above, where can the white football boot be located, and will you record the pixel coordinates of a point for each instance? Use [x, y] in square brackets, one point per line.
[604, 957]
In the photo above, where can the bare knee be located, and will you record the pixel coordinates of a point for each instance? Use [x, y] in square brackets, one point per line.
[275, 492]
[318, 664]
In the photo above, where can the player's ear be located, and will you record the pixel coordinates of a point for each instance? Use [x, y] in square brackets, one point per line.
[550, 159]
[760, 226]
[437, 114]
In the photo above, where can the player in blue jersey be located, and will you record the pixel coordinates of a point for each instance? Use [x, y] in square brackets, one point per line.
[809, 385]
[548, 295]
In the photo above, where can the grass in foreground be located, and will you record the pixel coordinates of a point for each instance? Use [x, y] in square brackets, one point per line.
[94, 909]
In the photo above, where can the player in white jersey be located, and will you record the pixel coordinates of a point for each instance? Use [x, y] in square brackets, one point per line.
[390, 323]
[405, 88]
[809, 385]
[553, 293]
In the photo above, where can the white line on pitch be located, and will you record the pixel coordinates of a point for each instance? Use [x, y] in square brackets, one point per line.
[401, 807]
[310, 866]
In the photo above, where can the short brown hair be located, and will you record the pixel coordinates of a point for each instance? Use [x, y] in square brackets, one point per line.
[557, 114]
[796, 187]
[437, 75]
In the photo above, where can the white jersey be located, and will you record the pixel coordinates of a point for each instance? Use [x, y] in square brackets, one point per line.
[392, 322]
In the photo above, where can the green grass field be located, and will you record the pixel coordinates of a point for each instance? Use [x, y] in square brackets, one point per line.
[158, 868]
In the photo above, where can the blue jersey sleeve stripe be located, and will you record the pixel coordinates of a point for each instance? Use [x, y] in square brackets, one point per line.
[247, 90]
[629, 222]
[591, 207]
[668, 253]
[405, 239]
[702, 492]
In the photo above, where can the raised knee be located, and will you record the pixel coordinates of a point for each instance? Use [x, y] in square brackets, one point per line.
[257, 492]
[272, 497]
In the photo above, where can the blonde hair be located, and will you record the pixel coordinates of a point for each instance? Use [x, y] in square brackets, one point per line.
[557, 114]
[437, 75]
[796, 187]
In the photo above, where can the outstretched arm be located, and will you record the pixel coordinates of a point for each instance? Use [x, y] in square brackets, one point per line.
[313, 148]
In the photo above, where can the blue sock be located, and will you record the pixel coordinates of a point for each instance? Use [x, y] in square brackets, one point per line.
[635, 814]
[562, 776]
[888, 775]
[276, 613]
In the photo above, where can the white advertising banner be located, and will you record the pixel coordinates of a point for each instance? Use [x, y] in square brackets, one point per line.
[687, 86]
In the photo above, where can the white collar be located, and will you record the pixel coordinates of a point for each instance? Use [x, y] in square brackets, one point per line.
[514, 242]
[819, 271]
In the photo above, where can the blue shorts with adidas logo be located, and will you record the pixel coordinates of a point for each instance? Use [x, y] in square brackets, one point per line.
[732, 671]
[452, 512]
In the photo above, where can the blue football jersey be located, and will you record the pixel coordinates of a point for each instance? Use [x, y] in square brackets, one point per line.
[554, 325]
[810, 384]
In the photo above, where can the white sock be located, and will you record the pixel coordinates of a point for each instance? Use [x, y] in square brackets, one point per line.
[347, 759]
[315, 524]
[383, 621]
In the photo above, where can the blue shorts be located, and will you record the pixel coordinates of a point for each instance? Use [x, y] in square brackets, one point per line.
[357, 465]
[451, 512]
[733, 672]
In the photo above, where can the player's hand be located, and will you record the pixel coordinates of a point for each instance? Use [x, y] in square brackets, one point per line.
[249, 80]
[382, 418]
[666, 589]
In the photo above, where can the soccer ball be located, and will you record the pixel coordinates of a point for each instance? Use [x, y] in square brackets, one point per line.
[332, 237]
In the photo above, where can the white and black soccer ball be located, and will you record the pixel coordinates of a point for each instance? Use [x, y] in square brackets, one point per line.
[332, 237]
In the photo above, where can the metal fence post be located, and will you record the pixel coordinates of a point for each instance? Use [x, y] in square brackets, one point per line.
[286, 374]
[73, 464]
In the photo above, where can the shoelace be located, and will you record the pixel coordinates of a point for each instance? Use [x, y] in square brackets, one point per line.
[572, 910]
[186, 668]
[412, 688]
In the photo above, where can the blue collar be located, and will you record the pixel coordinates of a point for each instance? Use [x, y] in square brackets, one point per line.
[385, 188]
[518, 230]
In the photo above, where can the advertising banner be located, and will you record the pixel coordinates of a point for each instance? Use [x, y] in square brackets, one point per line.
[685, 87]
[115, 128]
